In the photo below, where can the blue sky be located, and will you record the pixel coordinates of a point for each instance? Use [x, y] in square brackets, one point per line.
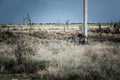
[58, 11]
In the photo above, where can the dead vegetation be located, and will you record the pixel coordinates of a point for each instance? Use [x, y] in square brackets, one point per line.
[49, 56]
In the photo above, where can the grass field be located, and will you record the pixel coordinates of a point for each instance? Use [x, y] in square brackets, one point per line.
[48, 56]
[51, 27]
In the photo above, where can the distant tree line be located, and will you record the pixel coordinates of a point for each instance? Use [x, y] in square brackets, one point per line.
[27, 21]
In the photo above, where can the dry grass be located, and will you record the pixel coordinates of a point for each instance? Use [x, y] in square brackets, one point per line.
[57, 59]
[71, 60]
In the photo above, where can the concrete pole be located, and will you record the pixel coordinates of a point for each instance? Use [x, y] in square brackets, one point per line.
[85, 22]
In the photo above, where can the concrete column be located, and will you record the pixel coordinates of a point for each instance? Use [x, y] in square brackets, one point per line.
[85, 22]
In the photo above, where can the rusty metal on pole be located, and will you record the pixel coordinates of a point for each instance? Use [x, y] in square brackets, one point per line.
[85, 22]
